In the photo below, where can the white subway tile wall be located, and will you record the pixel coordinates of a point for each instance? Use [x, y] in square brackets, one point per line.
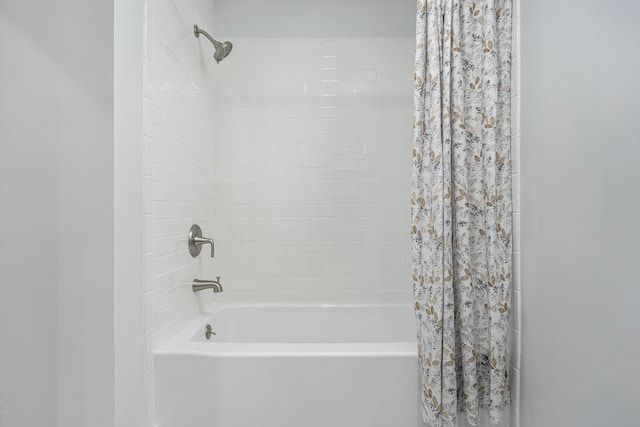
[312, 169]
[180, 89]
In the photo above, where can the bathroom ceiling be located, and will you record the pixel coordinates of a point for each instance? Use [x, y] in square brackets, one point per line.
[315, 18]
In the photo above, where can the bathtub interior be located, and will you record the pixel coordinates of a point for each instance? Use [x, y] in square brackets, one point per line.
[269, 323]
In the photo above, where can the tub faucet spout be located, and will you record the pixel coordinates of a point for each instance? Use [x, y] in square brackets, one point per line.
[214, 285]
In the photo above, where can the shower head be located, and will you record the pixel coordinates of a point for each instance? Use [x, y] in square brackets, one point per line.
[222, 49]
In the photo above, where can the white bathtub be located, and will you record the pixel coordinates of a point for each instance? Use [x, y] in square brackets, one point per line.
[292, 366]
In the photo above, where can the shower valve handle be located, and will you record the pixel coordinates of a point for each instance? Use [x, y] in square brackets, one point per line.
[196, 241]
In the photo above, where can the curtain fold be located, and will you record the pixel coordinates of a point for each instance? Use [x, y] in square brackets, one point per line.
[461, 207]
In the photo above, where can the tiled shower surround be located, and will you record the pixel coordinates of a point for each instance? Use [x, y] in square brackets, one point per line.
[312, 169]
[180, 86]
[292, 153]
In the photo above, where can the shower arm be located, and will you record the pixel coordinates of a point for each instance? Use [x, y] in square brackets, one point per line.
[197, 31]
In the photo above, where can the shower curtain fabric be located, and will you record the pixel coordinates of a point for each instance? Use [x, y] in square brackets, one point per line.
[461, 207]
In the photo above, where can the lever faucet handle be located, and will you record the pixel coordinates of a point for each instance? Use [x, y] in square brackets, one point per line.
[199, 241]
[196, 241]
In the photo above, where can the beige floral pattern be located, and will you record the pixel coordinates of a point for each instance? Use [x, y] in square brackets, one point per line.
[461, 207]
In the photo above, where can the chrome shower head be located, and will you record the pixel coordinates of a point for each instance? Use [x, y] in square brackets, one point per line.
[222, 49]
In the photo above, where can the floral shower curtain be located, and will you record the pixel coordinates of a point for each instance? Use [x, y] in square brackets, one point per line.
[461, 207]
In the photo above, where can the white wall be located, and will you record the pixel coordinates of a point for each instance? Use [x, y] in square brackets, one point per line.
[580, 229]
[130, 410]
[56, 221]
